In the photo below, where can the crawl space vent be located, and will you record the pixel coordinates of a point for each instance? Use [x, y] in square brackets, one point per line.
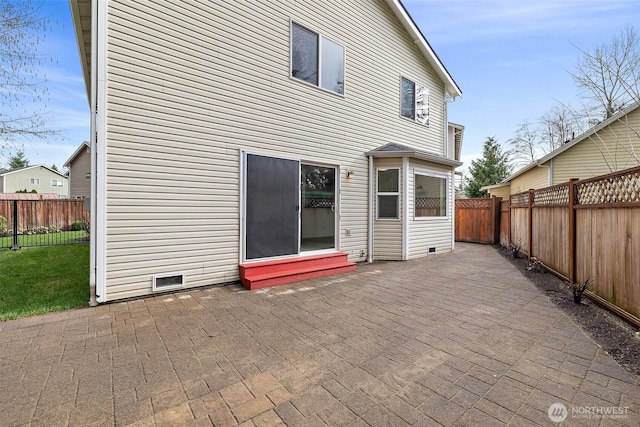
[432, 250]
[168, 281]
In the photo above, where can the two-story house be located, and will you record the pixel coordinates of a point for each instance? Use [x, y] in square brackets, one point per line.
[79, 165]
[37, 179]
[263, 141]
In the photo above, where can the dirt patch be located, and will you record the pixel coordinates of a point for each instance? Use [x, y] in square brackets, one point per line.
[617, 337]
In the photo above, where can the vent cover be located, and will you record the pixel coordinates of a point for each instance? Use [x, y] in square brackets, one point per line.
[432, 250]
[168, 281]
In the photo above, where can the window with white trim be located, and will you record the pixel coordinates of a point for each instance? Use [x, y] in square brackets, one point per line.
[388, 194]
[56, 183]
[414, 101]
[431, 195]
[317, 60]
[35, 181]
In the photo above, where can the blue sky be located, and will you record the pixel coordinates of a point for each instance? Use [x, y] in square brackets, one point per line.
[511, 59]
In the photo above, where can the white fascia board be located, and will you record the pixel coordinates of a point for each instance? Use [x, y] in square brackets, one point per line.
[401, 13]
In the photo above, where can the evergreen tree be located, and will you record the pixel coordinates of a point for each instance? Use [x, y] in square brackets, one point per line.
[492, 168]
[18, 160]
[54, 168]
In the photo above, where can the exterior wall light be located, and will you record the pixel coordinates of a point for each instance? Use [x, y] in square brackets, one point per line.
[350, 174]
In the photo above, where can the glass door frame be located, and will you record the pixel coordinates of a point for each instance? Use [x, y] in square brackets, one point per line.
[336, 209]
[243, 191]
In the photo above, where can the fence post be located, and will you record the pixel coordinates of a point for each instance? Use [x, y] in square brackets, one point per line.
[530, 225]
[15, 226]
[496, 214]
[571, 211]
[509, 238]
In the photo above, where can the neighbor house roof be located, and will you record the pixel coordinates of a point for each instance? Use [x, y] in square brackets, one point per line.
[10, 171]
[81, 13]
[75, 154]
[399, 150]
[583, 136]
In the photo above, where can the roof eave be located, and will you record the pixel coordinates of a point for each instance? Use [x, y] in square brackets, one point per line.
[407, 22]
[416, 155]
[76, 153]
[80, 42]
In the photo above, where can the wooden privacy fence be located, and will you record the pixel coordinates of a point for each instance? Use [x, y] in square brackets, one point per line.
[33, 214]
[587, 229]
[478, 220]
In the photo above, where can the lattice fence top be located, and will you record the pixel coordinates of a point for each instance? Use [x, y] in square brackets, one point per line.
[557, 195]
[622, 188]
[318, 202]
[520, 199]
[429, 202]
[473, 203]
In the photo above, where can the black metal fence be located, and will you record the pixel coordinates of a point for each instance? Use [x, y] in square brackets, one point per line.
[26, 223]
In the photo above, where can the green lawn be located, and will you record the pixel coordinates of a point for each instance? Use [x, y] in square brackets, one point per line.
[43, 239]
[43, 279]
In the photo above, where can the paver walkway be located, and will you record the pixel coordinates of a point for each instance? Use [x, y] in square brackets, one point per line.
[454, 339]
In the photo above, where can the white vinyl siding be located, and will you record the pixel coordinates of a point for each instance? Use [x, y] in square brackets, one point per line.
[615, 147]
[435, 231]
[387, 234]
[183, 100]
[537, 177]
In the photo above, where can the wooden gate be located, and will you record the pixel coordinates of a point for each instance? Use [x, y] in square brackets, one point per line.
[478, 220]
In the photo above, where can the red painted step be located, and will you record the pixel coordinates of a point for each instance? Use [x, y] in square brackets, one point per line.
[256, 275]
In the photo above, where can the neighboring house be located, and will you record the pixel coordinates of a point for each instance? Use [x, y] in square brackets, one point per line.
[39, 178]
[79, 165]
[266, 141]
[610, 146]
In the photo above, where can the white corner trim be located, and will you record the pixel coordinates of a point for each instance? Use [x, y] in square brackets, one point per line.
[405, 208]
[99, 140]
[371, 202]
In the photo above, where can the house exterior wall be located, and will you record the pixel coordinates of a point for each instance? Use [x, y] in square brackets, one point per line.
[503, 192]
[613, 148]
[21, 180]
[183, 101]
[387, 233]
[425, 233]
[79, 184]
[537, 177]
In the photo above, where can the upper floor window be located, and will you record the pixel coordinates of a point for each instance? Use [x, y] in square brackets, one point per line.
[388, 193]
[35, 181]
[317, 60]
[56, 183]
[414, 101]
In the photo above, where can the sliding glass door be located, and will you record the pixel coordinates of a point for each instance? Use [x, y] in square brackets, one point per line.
[290, 207]
[318, 201]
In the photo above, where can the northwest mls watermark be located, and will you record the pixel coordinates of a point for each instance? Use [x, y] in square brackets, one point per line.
[558, 412]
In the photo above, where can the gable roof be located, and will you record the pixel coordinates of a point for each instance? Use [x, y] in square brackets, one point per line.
[583, 136]
[75, 154]
[398, 150]
[10, 171]
[421, 41]
[81, 15]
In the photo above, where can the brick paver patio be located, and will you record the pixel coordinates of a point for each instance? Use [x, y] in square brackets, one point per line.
[455, 339]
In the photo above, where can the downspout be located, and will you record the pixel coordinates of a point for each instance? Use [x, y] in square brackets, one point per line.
[405, 208]
[371, 201]
[549, 183]
[93, 107]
